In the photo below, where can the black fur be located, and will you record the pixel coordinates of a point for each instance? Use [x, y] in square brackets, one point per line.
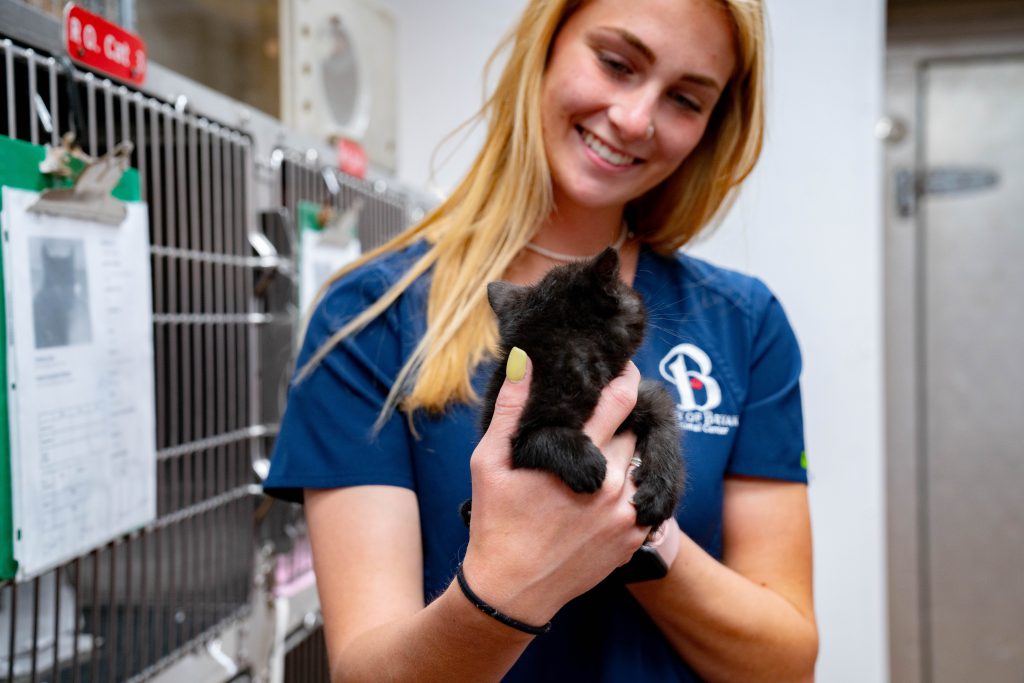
[580, 325]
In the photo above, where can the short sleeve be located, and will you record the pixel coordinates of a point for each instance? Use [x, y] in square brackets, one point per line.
[770, 438]
[327, 437]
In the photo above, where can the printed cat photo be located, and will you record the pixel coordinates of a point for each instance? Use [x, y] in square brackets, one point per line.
[580, 325]
[59, 308]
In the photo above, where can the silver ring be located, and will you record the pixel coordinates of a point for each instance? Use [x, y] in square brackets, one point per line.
[650, 131]
[635, 461]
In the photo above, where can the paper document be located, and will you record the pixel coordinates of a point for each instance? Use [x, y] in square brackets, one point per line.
[80, 380]
[324, 249]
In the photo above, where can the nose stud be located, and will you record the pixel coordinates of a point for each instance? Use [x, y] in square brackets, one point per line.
[650, 131]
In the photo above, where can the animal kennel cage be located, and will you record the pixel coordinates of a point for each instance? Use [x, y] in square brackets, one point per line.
[196, 594]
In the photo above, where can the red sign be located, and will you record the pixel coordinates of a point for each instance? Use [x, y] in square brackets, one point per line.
[351, 157]
[103, 46]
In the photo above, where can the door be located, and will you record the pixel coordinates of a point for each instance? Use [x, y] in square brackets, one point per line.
[955, 341]
[972, 242]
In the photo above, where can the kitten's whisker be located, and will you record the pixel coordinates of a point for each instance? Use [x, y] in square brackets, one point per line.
[674, 320]
[668, 304]
[670, 332]
[677, 304]
[669, 317]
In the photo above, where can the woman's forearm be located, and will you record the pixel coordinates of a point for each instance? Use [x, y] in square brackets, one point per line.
[727, 627]
[449, 640]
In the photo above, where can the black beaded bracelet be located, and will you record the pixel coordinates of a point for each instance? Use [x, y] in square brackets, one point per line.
[495, 614]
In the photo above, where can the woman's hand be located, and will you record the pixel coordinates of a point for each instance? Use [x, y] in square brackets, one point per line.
[534, 544]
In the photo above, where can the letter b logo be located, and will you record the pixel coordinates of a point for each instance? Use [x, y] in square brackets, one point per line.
[690, 382]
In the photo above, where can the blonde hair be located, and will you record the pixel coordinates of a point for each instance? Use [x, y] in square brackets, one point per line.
[476, 233]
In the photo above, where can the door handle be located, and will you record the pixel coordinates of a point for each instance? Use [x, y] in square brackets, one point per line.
[911, 185]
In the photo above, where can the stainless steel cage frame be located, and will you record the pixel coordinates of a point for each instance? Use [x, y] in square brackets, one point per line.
[192, 595]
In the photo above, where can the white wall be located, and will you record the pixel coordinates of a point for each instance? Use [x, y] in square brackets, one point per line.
[443, 46]
[808, 223]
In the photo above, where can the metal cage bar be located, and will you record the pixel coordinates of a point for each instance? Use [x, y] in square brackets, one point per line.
[306, 660]
[386, 211]
[129, 609]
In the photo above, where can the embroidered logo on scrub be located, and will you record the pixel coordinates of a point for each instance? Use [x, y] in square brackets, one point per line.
[689, 369]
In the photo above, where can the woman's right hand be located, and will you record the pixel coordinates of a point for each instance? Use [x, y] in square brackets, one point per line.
[534, 543]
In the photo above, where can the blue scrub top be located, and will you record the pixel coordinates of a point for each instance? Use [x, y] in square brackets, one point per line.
[718, 339]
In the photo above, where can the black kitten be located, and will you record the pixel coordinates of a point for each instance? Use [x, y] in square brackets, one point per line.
[580, 325]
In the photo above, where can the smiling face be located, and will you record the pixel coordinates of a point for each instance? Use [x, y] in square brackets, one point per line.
[617, 69]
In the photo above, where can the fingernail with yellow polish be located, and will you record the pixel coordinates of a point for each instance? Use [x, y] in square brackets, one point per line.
[515, 368]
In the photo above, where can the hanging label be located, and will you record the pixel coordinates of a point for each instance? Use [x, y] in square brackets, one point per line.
[103, 46]
[351, 157]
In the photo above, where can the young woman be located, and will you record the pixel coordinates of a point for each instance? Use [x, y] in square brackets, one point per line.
[624, 123]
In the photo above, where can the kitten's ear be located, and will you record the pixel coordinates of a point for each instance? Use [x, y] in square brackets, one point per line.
[502, 296]
[606, 264]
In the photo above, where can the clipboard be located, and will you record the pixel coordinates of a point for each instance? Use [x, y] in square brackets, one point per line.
[20, 169]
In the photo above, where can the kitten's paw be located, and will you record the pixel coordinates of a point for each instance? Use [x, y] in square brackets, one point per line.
[566, 452]
[660, 478]
[587, 472]
[654, 503]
